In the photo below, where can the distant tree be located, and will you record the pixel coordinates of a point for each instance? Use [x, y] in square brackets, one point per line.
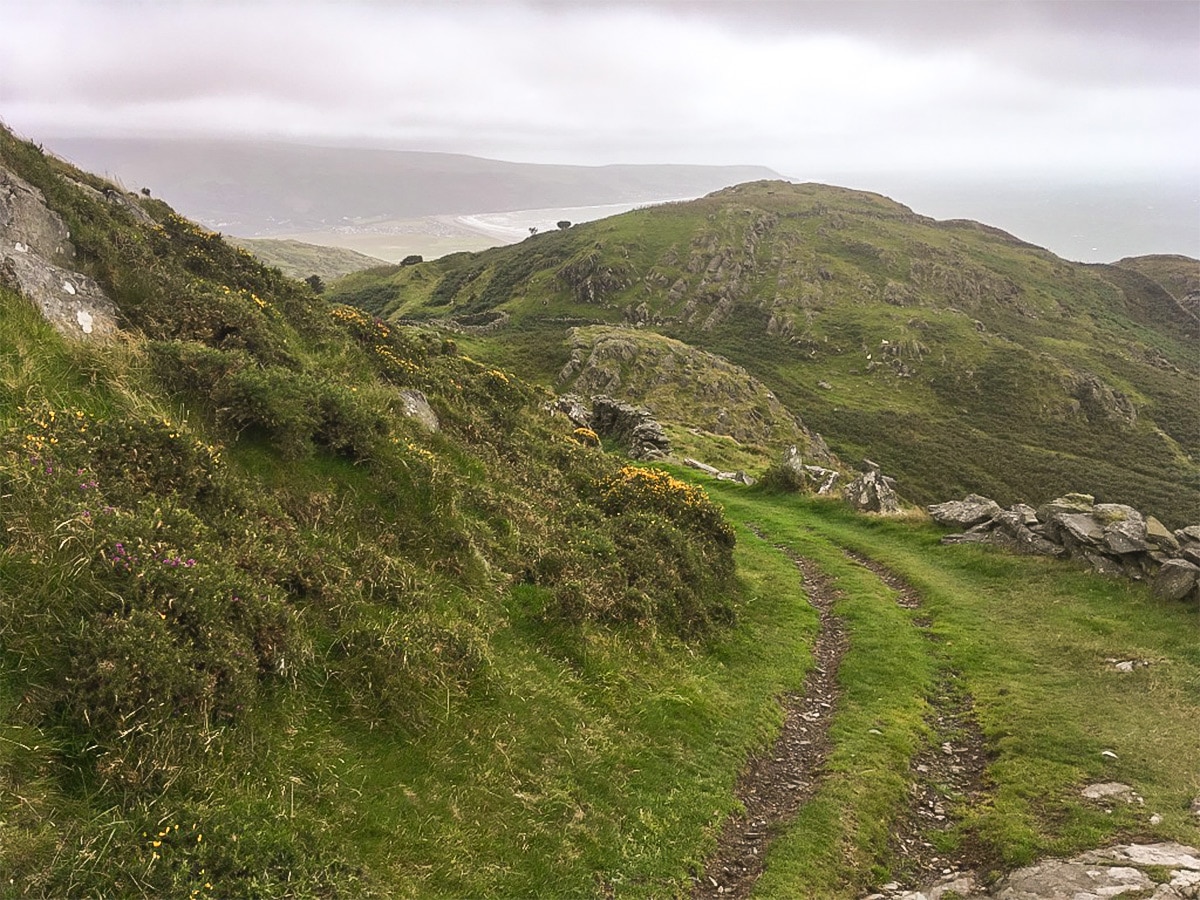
[564, 224]
[412, 260]
[315, 282]
[532, 230]
[146, 191]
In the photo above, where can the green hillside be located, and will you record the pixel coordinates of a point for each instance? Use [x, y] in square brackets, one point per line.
[299, 603]
[297, 259]
[957, 356]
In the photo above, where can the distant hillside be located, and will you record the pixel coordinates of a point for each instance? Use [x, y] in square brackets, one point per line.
[300, 260]
[253, 188]
[958, 356]
[1178, 275]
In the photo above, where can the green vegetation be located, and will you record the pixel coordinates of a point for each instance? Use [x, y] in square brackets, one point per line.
[298, 259]
[1033, 643]
[956, 356]
[265, 634]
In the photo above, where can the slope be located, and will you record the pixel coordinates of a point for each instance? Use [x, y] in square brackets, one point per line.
[956, 355]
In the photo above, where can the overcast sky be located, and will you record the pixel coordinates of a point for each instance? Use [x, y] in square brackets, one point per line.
[1086, 90]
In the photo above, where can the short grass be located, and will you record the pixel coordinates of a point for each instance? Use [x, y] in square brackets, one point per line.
[1032, 640]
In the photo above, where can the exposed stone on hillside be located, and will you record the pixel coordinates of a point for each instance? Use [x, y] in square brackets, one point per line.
[1110, 538]
[872, 491]
[702, 389]
[633, 426]
[416, 407]
[971, 510]
[35, 249]
[1101, 403]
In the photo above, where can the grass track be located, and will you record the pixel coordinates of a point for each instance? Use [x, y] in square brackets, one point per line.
[1031, 638]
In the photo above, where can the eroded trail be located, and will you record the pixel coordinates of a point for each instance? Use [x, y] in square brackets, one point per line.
[776, 784]
[946, 776]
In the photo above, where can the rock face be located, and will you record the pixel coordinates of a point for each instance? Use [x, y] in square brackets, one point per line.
[1111, 538]
[417, 407]
[35, 250]
[872, 491]
[634, 426]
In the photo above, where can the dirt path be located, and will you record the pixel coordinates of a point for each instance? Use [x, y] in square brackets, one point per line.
[776, 784]
[946, 776]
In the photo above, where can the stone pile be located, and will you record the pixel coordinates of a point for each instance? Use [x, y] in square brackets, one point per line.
[1111, 538]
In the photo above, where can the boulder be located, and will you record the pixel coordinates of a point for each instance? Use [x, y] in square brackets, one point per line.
[1124, 527]
[572, 407]
[1027, 513]
[1177, 579]
[872, 492]
[1188, 535]
[971, 510]
[416, 407]
[1080, 526]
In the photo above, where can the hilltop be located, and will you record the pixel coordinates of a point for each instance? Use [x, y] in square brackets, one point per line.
[956, 355]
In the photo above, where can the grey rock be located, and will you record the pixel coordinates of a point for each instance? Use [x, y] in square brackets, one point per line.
[635, 426]
[1080, 526]
[1027, 513]
[35, 259]
[1158, 535]
[416, 407]
[738, 477]
[1124, 527]
[1070, 503]
[703, 467]
[573, 408]
[1076, 880]
[1110, 790]
[1190, 552]
[1177, 579]
[872, 492]
[1190, 533]
[971, 510]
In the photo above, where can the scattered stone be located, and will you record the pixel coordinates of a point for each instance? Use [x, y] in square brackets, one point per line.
[1111, 790]
[1110, 538]
[825, 385]
[1176, 580]
[1109, 754]
[416, 407]
[1155, 819]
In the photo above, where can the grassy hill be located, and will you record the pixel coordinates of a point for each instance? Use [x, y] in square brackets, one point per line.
[959, 357]
[296, 259]
[264, 633]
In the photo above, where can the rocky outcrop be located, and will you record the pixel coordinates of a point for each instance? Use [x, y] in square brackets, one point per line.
[35, 255]
[872, 491]
[1110, 538]
[633, 426]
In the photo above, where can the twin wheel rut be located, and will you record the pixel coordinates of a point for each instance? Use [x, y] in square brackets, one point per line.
[946, 775]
